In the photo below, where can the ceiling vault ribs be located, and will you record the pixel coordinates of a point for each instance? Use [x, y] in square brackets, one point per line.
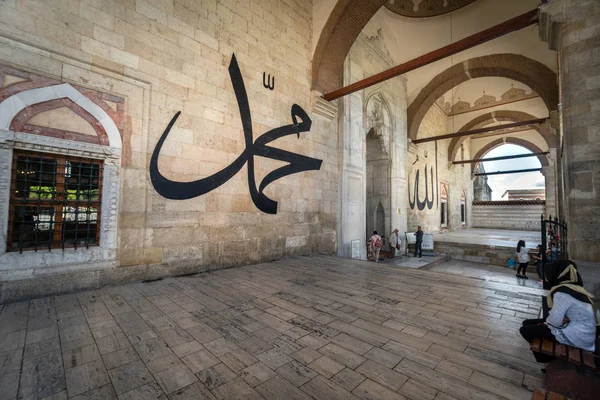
[481, 130]
[514, 24]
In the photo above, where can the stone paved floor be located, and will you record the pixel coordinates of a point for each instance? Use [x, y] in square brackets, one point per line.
[302, 328]
[491, 237]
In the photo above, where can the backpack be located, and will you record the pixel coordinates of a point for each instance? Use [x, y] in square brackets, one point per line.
[377, 241]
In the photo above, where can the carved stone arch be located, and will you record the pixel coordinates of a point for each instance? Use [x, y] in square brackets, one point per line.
[534, 74]
[13, 105]
[378, 118]
[498, 116]
[346, 21]
[511, 140]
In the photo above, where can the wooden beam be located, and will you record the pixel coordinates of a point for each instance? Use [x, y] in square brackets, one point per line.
[514, 171]
[476, 160]
[514, 24]
[481, 130]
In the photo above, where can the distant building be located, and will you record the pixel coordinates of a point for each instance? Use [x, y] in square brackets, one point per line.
[481, 190]
[525, 194]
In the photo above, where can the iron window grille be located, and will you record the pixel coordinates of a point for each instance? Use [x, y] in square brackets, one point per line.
[55, 202]
[444, 213]
[463, 212]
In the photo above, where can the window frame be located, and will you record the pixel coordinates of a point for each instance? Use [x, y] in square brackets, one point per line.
[58, 203]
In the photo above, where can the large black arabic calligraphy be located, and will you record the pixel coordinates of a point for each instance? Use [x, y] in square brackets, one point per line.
[414, 199]
[297, 163]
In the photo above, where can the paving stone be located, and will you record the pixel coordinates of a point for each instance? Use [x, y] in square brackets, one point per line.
[297, 373]
[383, 357]
[306, 355]
[141, 337]
[80, 355]
[256, 374]
[72, 321]
[369, 390]
[42, 376]
[9, 382]
[130, 376]
[134, 327]
[238, 359]
[86, 377]
[280, 389]
[59, 396]
[162, 323]
[418, 391]
[286, 344]
[350, 343]
[342, 355]
[254, 345]
[120, 357]
[175, 336]
[41, 334]
[152, 349]
[112, 343]
[75, 344]
[382, 375]
[236, 389]
[312, 341]
[12, 340]
[326, 366]
[321, 388]
[106, 392]
[10, 361]
[267, 334]
[214, 377]
[200, 360]
[348, 379]
[274, 358]
[150, 391]
[74, 332]
[196, 391]
[187, 348]
[220, 346]
[175, 378]
[39, 348]
[163, 363]
[203, 333]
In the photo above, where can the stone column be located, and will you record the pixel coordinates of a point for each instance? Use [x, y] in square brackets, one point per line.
[573, 28]
[550, 178]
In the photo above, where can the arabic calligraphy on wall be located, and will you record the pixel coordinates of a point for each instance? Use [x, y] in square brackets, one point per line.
[296, 163]
[414, 199]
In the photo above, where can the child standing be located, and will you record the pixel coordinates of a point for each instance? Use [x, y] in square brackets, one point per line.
[538, 257]
[523, 258]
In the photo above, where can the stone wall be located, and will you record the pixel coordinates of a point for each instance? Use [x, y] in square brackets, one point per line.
[579, 43]
[163, 57]
[381, 108]
[435, 158]
[508, 215]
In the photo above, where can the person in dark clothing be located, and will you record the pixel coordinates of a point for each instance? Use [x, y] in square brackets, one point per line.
[419, 242]
[571, 320]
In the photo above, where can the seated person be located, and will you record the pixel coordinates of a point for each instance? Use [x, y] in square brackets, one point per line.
[571, 320]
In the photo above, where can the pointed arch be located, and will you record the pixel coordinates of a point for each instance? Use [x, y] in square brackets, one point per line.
[534, 74]
[499, 116]
[510, 140]
[346, 21]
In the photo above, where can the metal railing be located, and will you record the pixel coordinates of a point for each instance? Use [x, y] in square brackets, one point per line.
[554, 241]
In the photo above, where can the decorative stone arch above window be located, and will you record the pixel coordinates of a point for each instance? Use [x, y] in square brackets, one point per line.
[31, 113]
